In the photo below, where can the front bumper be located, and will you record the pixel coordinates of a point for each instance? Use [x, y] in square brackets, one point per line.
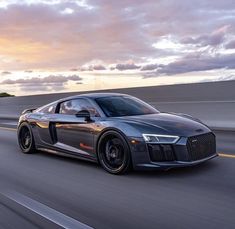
[170, 165]
[188, 151]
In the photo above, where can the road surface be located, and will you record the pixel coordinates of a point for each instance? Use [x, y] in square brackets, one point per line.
[81, 192]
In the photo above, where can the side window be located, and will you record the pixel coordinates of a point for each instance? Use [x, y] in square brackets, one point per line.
[49, 109]
[72, 107]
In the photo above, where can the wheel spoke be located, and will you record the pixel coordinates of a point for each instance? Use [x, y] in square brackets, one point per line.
[107, 147]
[25, 138]
[114, 153]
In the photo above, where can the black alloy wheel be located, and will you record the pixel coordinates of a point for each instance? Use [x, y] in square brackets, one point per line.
[25, 138]
[114, 153]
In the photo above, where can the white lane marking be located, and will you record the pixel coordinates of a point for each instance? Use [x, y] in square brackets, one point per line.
[10, 123]
[226, 155]
[7, 128]
[46, 212]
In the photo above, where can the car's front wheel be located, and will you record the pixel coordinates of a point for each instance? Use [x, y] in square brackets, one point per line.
[25, 138]
[114, 153]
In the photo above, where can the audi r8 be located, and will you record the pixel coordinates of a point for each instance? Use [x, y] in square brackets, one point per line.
[117, 131]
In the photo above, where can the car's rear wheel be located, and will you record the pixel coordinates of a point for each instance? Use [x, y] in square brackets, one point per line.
[26, 139]
[114, 153]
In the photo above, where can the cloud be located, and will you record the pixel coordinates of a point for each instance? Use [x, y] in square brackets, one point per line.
[196, 62]
[45, 35]
[128, 66]
[5, 73]
[52, 80]
[230, 45]
[220, 78]
[217, 37]
[111, 31]
[32, 39]
[226, 77]
[99, 67]
[43, 84]
[149, 67]
[74, 69]
[95, 67]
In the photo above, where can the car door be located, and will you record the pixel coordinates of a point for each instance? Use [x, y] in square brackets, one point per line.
[43, 119]
[75, 134]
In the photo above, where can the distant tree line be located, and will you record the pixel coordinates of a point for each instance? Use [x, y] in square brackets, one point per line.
[4, 94]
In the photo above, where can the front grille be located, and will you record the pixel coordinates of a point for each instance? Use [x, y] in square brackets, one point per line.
[201, 146]
[160, 153]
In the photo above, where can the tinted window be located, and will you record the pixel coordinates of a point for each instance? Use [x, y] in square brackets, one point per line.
[48, 109]
[72, 107]
[116, 106]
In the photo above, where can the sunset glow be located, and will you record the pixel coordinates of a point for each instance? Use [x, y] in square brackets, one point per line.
[69, 45]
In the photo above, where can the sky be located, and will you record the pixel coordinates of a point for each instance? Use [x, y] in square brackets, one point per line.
[49, 46]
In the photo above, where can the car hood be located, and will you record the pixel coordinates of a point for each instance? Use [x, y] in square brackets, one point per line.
[166, 123]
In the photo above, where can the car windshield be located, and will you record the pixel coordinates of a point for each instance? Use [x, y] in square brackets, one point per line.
[117, 106]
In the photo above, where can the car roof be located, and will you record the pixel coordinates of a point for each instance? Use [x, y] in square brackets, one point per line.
[86, 95]
[94, 95]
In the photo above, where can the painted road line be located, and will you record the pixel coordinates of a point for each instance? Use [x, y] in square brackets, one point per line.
[7, 128]
[46, 212]
[10, 123]
[226, 155]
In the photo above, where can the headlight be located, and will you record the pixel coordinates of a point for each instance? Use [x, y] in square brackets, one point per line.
[161, 139]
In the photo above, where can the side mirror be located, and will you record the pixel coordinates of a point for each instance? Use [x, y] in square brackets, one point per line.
[84, 114]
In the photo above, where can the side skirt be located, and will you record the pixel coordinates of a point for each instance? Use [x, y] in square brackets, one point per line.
[70, 155]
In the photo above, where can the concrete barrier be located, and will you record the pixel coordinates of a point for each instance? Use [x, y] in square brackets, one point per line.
[213, 103]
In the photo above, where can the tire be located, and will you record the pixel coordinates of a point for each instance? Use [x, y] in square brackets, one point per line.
[26, 139]
[114, 153]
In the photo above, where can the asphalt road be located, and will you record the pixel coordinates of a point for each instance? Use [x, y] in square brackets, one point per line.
[197, 197]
